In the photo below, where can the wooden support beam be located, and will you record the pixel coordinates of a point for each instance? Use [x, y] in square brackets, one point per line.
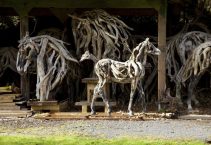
[82, 3]
[61, 14]
[24, 28]
[162, 14]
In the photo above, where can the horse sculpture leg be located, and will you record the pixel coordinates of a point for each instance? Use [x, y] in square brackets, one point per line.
[142, 96]
[191, 90]
[133, 89]
[98, 91]
[95, 94]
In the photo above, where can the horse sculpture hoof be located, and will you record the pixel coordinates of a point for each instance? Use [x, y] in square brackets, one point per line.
[93, 113]
[130, 113]
[109, 114]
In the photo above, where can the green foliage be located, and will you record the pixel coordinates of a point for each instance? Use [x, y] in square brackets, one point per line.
[76, 140]
[8, 21]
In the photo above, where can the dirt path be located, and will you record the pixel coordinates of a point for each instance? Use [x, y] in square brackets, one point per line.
[177, 129]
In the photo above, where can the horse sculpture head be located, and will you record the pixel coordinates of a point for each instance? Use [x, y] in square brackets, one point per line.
[88, 56]
[144, 48]
[150, 48]
[26, 55]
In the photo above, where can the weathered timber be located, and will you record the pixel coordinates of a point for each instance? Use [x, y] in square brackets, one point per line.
[15, 113]
[83, 4]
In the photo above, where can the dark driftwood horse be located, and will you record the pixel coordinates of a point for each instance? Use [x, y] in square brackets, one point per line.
[52, 61]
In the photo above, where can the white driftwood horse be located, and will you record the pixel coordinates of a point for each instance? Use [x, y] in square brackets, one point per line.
[131, 70]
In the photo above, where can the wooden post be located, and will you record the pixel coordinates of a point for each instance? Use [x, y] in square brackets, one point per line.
[24, 28]
[162, 13]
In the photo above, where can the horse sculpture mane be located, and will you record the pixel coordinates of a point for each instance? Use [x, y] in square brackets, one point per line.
[131, 70]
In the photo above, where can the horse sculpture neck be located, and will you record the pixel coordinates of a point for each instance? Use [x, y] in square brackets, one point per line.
[139, 54]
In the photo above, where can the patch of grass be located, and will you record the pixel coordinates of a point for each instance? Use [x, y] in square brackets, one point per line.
[78, 140]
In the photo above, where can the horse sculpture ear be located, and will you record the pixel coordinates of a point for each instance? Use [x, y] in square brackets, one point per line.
[147, 39]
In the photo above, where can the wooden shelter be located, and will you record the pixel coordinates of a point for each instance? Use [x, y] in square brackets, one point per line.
[60, 8]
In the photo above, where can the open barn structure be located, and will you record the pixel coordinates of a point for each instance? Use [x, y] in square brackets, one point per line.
[27, 10]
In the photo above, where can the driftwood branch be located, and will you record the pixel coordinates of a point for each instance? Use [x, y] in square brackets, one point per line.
[100, 33]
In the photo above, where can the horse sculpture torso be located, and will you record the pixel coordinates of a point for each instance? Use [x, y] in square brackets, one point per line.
[131, 70]
[119, 72]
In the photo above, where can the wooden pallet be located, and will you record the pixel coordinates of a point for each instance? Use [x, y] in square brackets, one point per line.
[6, 102]
[9, 108]
[51, 106]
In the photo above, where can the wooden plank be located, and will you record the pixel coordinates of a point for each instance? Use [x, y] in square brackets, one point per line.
[96, 103]
[48, 105]
[42, 103]
[195, 117]
[14, 113]
[8, 95]
[45, 108]
[7, 104]
[98, 116]
[6, 89]
[9, 107]
[6, 100]
[82, 3]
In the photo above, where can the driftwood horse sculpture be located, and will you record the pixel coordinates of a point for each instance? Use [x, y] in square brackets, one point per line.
[185, 45]
[52, 61]
[7, 59]
[131, 70]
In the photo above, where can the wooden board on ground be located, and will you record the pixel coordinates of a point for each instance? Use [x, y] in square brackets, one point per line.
[15, 113]
[13, 107]
[195, 117]
[99, 116]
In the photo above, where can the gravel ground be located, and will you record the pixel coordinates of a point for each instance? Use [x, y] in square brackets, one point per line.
[168, 129]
